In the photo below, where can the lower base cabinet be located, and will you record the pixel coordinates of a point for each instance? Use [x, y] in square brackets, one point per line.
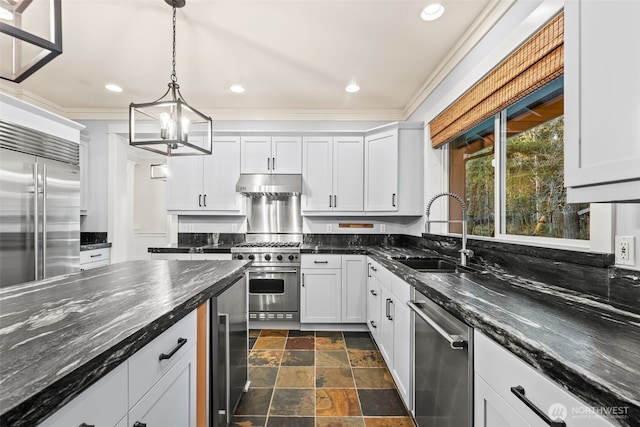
[503, 382]
[171, 402]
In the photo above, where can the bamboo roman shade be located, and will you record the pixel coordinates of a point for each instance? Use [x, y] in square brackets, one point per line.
[537, 62]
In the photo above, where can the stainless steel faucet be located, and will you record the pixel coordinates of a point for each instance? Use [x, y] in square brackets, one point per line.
[464, 252]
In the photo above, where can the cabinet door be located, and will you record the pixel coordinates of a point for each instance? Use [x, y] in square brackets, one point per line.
[490, 410]
[255, 154]
[171, 402]
[317, 180]
[602, 136]
[348, 173]
[354, 289]
[386, 325]
[320, 296]
[402, 351]
[221, 172]
[286, 155]
[381, 172]
[184, 183]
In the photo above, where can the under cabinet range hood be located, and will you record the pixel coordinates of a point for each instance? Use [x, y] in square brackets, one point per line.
[266, 184]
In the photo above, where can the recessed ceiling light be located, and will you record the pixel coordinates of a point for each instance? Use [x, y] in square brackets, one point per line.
[113, 87]
[5, 15]
[432, 12]
[236, 89]
[352, 88]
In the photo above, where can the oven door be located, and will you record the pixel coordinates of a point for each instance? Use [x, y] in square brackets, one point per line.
[273, 289]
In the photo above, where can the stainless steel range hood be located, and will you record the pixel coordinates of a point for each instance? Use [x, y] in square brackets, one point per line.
[265, 184]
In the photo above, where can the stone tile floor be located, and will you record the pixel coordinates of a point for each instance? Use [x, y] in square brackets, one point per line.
[318, 379]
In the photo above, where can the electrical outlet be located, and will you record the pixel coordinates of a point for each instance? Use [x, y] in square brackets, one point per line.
[183, 228]
[329, 228]
[626, 250]
[383, 228]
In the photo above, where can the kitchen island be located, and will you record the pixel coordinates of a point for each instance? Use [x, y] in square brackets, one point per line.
[59, 336]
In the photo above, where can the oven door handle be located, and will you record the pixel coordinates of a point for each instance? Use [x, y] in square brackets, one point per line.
[275, 272]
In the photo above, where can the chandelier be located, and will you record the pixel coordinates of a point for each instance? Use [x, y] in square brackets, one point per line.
[169, 126]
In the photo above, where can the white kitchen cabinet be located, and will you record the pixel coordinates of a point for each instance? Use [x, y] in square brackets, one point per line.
[333, 174]
[102, 404]
[206, 184]
[320, 295]
[171, 256]
[394, 170]
[602, 136]
[172, 400]
[498, 373]
[392, 320]
[354, 288]
[83, 152]
[271, 155]
[95, 258]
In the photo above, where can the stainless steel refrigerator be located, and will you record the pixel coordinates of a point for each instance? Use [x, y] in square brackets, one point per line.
[39, 205]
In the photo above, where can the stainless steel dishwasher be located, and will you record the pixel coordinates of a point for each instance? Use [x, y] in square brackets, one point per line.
[443, 366]
[229, 344]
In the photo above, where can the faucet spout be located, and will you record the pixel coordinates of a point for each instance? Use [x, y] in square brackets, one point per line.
[465, 253]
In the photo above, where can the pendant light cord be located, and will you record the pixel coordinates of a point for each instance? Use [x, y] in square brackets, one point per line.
[174, 78]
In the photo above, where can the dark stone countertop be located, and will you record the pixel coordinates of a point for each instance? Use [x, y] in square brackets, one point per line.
[189, 249]
[308, 248]
[60, 335]
[92, 246]
[589, 348]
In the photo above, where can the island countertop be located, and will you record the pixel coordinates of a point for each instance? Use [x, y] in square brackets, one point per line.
[60, 335]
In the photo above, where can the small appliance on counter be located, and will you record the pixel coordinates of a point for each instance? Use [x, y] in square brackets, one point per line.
[274, 236]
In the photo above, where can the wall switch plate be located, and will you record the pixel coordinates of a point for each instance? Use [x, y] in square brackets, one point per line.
[626, 250]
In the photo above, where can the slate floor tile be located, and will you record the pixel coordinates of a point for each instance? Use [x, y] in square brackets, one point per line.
[341, 402]
[255, 402]
[388, 422]
[301, 343]
[334, 378]
[329, 341]
[373, 378]
[274, 333]
[269, 343]
[359, 341]
[339, 422]
[290, 422]
[366, 358]
[265, 357]
[298, 358]
[293, 401]
[240, 421]
[381, 402]
[295, 376]
[335, 358]
[261, 376]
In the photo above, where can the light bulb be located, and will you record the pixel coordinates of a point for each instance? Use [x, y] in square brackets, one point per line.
[184, 125]
[165, 119]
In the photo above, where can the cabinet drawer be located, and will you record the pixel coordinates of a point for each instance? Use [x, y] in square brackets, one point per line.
[102, 404]
[96, 264]
[95, 255]
[401, 290]
[502, 370]
[321, 261]
[146, 368]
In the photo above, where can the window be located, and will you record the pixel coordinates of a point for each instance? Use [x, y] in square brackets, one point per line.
[510, 169]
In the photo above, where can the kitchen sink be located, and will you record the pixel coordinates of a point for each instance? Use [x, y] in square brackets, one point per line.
[428, 265]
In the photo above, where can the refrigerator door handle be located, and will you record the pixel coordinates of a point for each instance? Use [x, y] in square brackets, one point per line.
[44, 222]
[36, 221]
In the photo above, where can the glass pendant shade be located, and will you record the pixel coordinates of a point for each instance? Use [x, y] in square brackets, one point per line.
[30, 36]
[169, 126]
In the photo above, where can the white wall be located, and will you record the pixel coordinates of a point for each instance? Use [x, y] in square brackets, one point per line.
[96, 218]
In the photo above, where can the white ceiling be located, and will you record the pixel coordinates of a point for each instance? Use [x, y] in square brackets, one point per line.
[294, 57]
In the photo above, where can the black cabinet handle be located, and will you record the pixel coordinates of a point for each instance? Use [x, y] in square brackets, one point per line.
[302, 281]
[374, 293]
[519, 392]
[139, 424]
[96, 255]
[386, 309]
[273, 163]
[181, 342]
[200, 200]
[330, 201]
[390, 316]
[86, 425]
[393, 200]
[373, 324]
[268, 160]
[373, 268]
[368, 270]
[335, 201]
[321, 262]
[204, 200]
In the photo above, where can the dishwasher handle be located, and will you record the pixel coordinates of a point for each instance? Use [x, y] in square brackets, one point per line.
[456, 342]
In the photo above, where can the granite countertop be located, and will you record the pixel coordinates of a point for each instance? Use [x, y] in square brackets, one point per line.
[190, 249]
[308, 248]
[586, 346]
[92, 246]
[60, 335]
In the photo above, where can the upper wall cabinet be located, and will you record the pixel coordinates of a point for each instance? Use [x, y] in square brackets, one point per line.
[333, 174]
[602, 135]
[266, 154]
[206, 184]
[394, 170]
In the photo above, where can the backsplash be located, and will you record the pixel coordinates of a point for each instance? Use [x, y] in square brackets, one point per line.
[209, 239]
[92, 238]
[592, 274]
[347, 240]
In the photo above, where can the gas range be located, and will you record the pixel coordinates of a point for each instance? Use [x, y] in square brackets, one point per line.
[268, 253]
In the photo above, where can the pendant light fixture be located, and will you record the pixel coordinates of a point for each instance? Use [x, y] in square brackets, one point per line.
[169, 125]
[30, 36]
